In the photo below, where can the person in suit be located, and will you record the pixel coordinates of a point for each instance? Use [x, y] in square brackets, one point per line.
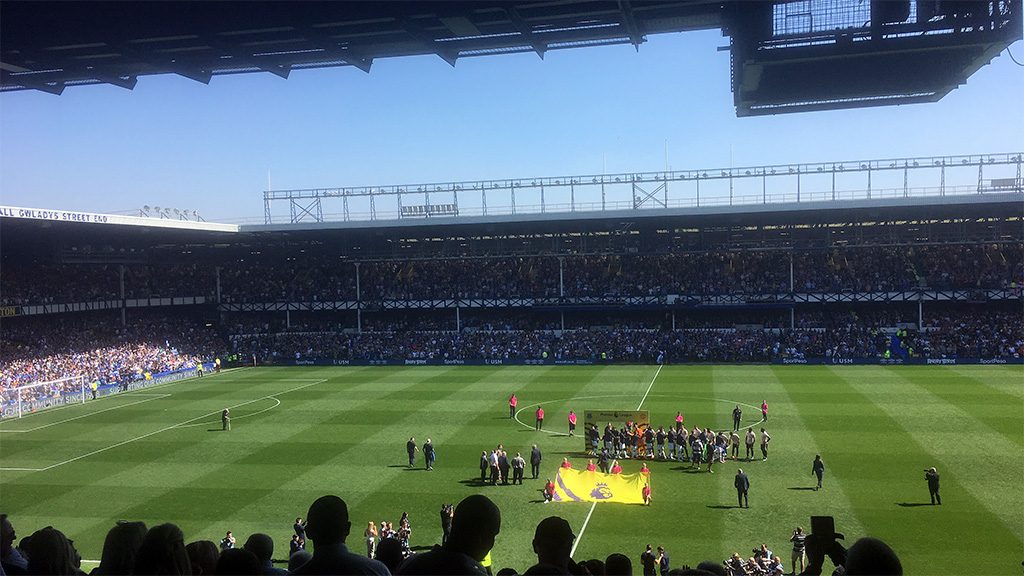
[518, 465]
[410, 448]
[742, 484]
[503, 466]
[933, 485]
[485, 465]
[535, 458]
[818, 468]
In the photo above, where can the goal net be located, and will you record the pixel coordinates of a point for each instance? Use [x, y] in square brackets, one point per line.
[16, 402]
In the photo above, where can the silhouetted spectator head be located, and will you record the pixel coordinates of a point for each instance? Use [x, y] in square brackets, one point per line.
[508, 572]
[237, 562]
[618, 565]
[711, 568]
[327, 521]
[552, 541]
[872, 557]
[389, 552]
[262, 546]
[163, 552]
[594, 567]
[120, 547]
[7, 533]
[202, 556]
[296, 560]
[50, 552]
[477, 521]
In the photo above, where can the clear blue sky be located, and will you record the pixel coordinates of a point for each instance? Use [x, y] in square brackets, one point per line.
[175, 142]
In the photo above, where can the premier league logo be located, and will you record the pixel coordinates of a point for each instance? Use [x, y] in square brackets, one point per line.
[601, 492]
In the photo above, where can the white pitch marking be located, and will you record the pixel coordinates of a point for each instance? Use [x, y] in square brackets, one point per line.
[180, 424]
[651, 385]
[149, 399]
[594, 505]
[213, 422]
[582, 529]
[136, 392]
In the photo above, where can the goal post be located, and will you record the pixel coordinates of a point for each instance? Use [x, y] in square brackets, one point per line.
[15, 402]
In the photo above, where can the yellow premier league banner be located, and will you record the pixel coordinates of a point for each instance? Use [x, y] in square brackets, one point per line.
[582, 486]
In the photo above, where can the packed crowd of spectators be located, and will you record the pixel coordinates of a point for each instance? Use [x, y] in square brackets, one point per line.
[992, 333]
[52, 347]
[68, 283]
[323, 279]
[47, 348]
[470, 533]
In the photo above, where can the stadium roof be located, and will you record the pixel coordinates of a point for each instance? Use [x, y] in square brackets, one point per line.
[20, 222]
[786, 56]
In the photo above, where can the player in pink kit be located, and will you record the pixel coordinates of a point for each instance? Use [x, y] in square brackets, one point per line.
[540, 418]
[572, 423]
[512, 401]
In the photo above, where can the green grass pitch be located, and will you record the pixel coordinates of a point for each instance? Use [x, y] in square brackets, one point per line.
[158, 455]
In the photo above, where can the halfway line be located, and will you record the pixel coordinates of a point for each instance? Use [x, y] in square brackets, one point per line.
[642, 400]
[582, 529]
[594, 505]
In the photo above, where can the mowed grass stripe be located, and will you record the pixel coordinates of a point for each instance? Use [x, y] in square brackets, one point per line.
[245, 480]
[58, 414]
[999, 411]
[781, 492]
[801, 442]
[1008, 379]
[56, 444]
[953, 438]
[610, 388]
[140, 463]
[230, 498]
[457, 472]
[366, 435]
[884, 462]
[621, 387]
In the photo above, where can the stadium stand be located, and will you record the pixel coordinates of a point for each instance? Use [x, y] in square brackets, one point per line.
[880, 281]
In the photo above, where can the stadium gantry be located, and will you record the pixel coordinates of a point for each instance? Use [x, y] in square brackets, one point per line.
[898, 256]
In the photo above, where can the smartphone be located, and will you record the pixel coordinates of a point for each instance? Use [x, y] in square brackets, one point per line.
[823, 526]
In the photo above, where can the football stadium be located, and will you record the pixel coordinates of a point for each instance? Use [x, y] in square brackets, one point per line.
[799, 366]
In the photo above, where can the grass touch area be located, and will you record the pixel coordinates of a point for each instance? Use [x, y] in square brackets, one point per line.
[158, 455]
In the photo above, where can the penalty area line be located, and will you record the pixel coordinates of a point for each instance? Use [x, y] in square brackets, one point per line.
[165, 429]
